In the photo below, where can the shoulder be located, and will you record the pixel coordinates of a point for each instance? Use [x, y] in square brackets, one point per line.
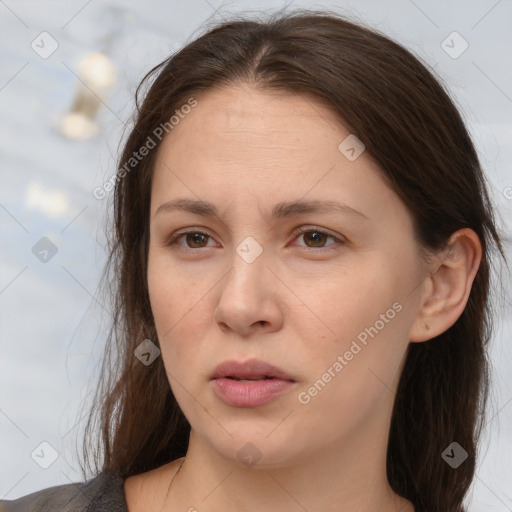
[104, 492]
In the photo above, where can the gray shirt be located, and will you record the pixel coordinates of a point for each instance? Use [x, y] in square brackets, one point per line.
[103, 493]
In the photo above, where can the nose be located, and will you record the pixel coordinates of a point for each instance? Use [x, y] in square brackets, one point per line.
[249, 301]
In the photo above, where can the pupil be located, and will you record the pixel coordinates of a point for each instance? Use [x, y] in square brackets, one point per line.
[196, 238]
[316, 234]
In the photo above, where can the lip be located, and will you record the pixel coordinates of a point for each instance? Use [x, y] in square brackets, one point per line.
[250, 394]
[251, 369]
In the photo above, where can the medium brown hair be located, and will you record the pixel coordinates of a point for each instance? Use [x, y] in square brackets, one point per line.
[412, 129]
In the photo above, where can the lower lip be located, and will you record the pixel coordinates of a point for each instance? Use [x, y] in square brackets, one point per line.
[250, 394]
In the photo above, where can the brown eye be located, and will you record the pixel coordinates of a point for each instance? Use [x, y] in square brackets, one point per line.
[193, 240]
[316, 238]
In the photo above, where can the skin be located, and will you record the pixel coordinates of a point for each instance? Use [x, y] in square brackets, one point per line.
[299, 305]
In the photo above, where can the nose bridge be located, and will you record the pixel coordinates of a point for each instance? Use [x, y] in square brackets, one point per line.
[245, 298]
[247, 269]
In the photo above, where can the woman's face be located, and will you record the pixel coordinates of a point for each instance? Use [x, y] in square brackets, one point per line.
[333, 306]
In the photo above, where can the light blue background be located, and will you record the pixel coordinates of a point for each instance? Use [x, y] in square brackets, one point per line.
[52, 330]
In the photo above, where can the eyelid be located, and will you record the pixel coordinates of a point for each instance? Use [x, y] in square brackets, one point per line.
[296, 232]
[304, 229]
[177, 234]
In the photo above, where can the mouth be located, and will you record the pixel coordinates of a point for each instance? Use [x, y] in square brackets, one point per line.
[251, 370]
[251, 383]
[240, 379]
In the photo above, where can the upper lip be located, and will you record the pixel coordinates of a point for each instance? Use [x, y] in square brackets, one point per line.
[251, 369]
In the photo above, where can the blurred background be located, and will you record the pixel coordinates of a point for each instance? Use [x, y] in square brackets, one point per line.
[68, 74]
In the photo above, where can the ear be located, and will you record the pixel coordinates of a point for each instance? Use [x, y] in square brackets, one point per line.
[447, 286]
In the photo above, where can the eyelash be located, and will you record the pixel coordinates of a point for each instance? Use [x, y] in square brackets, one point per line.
[172, 242]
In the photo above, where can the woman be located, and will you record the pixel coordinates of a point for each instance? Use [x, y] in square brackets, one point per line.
[301, 246]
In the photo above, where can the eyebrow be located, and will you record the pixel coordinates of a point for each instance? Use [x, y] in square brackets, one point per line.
[279, 211]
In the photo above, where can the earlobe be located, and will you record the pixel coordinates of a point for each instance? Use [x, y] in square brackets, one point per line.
[449, 285]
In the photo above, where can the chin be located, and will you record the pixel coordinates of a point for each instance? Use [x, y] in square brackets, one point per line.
[256, 450]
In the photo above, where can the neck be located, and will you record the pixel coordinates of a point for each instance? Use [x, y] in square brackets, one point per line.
[339, 478]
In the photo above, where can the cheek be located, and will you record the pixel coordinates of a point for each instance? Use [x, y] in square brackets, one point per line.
[351, 379]
[172, 294]
[344, 306]
[358, 338]
[179, 307]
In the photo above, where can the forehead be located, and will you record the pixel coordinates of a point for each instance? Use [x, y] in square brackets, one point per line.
[261, 148]
[248, 128]
[231, 107]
